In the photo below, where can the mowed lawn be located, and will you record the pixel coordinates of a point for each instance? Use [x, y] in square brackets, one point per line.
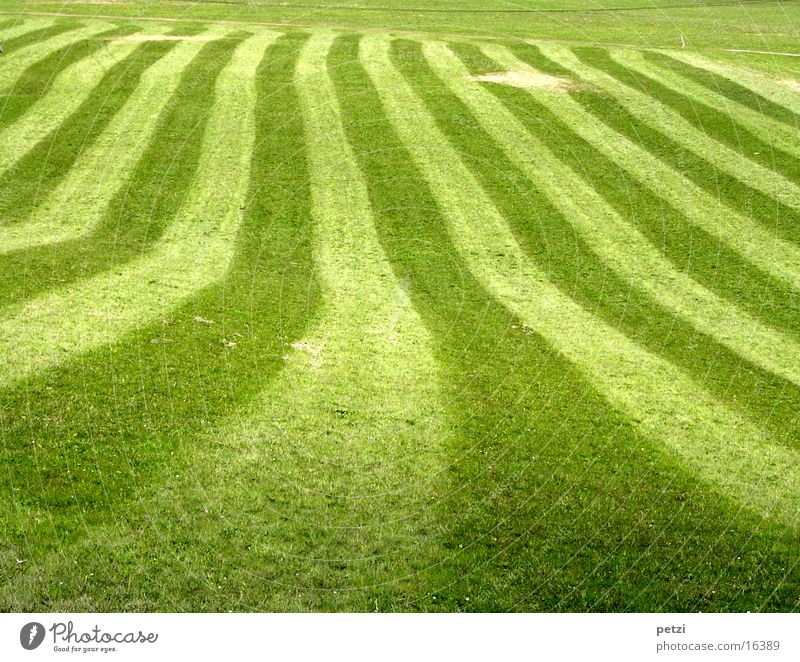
[383, 308]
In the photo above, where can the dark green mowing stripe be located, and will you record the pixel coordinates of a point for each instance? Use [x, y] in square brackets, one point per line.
[545, 479]
[736, 194]
[141, 211]
[37, 79]
[727, 88]
[118, 416]
[59, 27]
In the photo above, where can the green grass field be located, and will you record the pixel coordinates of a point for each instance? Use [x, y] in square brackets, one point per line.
[384, 305]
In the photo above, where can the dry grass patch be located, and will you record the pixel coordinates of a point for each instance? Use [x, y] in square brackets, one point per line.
[791, 84]
[527, 80]
[313, 350]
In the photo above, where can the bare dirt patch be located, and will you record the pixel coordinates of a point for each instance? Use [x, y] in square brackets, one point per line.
[791, 84]
[527, 79]
[162, 37]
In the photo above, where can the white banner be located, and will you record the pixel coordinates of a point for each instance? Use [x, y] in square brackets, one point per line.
[387, 637]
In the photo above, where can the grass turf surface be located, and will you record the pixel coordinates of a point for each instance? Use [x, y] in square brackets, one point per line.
[296, 314]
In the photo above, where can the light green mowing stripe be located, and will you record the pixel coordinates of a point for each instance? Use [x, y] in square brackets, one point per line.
[359, 391]
[68, 92]
[770, 253]
[80, 201]
[764, 127]
[15, 62]
[769, 88]
[23, 28]
[194, 251]
[615, 240]
[660, 400]
[652, 113]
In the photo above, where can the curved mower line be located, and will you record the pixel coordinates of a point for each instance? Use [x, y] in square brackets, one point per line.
[80, 200]
[59, 102]
[21, 59]
[363, 372]
[756, 82]
[652, 113]
[618, 243]
[661, 401]
[194, 252]
[26, 26]
[766, 128]
[771, 254]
